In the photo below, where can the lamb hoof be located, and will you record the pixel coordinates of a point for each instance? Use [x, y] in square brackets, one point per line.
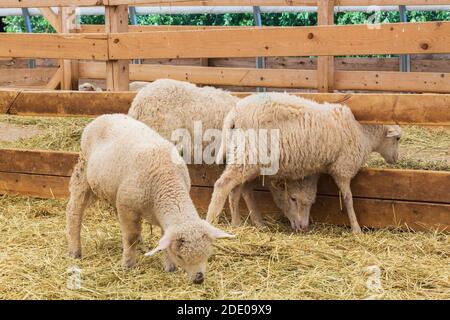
[235, 223]
[75, 254]
[356, 230]
[170, 267]
[128, 263]
[259, 224]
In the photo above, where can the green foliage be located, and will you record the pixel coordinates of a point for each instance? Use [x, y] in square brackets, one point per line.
[16, 24]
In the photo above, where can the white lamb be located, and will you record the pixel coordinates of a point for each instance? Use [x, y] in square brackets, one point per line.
[142, 175]
[167, 105]
[314, 138]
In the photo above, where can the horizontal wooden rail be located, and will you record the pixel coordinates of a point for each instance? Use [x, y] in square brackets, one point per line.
[431, 37]
[21, 77]
[96, 28]
[272, 2]
[91, 3]
[397, 38]
[50, 3]
[430, 109]
[52, 45]
[418, 199]
[281, 78]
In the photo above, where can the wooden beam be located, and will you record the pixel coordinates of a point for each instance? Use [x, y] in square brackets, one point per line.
[70, 68]
[52, 18]
[280, 78]
[393, 81]
[396, 38]
[91, 3]
[227, 76]
[273, 2]
[387, 184]
[325, 64]
[215, 2]
[429, 109]
[26, 77]
[55, 81]
[375, 213]
[117, 71]
[370, 212]
[97, 28]
[58, 46]
[50, 3]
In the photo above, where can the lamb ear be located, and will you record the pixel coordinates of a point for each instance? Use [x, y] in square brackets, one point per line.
[164, 243]
[392, 132]
[216, 233]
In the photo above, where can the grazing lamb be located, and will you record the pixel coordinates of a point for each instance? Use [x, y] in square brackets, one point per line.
[167, 105]
[142, 175]
[294, 197]
[314, 138]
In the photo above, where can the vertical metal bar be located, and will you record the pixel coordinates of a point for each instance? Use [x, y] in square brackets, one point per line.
[405, 59]
[29, 29]
[260, 61]
[134, 22]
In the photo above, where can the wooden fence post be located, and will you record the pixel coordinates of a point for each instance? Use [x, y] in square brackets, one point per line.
[117, 71]
[68, 18]
[325, 64]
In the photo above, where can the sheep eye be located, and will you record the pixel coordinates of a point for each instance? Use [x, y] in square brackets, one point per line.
[398, 138]
[293, 199]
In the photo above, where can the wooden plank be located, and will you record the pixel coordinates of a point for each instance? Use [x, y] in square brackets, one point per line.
[41, 186]
[397, 38]
[50, 3]
[393, 81]
[26, 77]
[55, 82]
[273, 2]
[215, 2]
[431, 109]
[70, 68]
[374, 213]
[117, 71]
[40, 162]
[388, 184]
[325, 64]
[227, 76]
[68, 46]
[281, 78]
[370, 212]
[98, 28]
[52, 18]
[66, 103]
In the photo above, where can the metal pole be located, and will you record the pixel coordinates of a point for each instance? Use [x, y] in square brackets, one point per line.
[134, 22]
[260, 61]
[2, 26]
[29, 29]
[405, 59]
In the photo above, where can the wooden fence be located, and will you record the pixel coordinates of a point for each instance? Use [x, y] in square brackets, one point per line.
[404, 198]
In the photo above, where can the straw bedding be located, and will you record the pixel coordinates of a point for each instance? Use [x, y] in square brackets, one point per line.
[326, 263]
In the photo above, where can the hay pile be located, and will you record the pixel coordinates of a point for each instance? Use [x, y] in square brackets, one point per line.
[326, 263]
